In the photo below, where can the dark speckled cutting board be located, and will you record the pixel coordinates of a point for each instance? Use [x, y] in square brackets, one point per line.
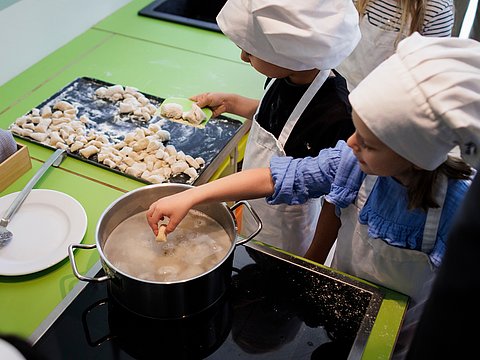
[207, 143]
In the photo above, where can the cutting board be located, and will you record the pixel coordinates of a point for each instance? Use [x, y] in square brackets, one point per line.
[207, 143]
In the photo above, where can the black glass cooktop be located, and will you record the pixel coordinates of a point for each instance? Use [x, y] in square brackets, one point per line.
[278, 307]
[198, 13]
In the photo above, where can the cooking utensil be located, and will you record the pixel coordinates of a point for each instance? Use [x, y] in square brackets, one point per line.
[5, 235]
[157, 299]
[187, 106]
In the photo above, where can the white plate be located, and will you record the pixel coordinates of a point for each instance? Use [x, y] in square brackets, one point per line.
[43, 228]
[10, 352]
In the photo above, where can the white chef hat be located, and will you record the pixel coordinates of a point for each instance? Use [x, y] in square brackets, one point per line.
[425, 99]
[297, 35]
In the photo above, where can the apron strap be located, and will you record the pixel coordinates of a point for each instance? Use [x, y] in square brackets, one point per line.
[432, 221]
[365, 190]
[301, 105]
[433, 216]
[269, 85]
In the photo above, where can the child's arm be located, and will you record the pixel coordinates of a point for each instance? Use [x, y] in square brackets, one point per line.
[230, 103]
[248, 184]
[325, 234]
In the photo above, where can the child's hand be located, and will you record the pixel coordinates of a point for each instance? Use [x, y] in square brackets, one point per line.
[227, 103]
[217, 102]
[175, 207]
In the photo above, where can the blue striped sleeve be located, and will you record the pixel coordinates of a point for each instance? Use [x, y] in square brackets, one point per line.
[297, 180]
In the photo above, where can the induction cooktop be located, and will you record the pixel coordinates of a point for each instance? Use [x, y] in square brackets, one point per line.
[198, 13]
[277, 307]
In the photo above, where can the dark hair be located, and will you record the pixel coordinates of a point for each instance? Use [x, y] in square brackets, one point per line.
[420, 189]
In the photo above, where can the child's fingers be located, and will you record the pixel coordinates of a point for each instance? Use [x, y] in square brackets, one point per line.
[155, 214]
[171, 226]
[153, 217]
[202, 100]
[154, 227]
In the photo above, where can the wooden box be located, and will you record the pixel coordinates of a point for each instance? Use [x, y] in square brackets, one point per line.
[14, 166]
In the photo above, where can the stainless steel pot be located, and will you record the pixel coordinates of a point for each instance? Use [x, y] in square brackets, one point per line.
[167, 300]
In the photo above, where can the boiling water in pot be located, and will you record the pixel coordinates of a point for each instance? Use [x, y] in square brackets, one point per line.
[197, 245]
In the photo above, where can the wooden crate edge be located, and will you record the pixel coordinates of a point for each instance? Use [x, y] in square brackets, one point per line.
[14, 166]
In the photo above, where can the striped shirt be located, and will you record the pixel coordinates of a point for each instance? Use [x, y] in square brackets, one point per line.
[439, 16]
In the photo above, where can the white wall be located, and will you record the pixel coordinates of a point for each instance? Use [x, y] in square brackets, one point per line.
[32, 29]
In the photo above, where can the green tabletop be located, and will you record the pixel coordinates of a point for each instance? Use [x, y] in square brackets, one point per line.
[26, 300]
[153, 68]
[126, 22]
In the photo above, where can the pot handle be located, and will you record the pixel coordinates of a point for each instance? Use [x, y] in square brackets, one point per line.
[74, 264]
[255, 216]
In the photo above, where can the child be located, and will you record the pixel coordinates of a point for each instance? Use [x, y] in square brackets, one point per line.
[408, 113]
[305, 106]
[384, 23]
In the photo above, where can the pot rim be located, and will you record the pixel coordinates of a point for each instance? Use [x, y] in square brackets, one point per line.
[114, 268]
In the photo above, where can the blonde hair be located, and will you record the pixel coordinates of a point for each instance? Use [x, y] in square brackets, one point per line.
[412, 11]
